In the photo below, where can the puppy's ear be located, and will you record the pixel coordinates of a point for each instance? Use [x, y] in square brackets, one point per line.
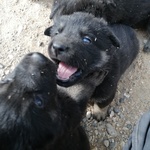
[4, 84]
[48, 31]
[114, 40]
[56, 9]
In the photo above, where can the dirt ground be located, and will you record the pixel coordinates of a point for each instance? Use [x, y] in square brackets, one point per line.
[22, 23]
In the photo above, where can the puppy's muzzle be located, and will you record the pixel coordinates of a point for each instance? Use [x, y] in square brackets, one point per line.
[59, 49]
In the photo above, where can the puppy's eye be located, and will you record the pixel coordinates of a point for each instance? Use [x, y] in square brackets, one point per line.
[56, 32]
[59, 31]
[38, 102]
[86, 40]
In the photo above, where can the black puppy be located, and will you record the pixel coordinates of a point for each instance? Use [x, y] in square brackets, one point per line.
[34, 115]
[135, 13]
[82, 44]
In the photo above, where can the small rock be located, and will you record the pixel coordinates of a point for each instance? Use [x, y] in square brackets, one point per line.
[144, 41]
[88, 115]
[121, 115]
[96, 132]
[112, 114]
[117, 124]
[95, 123]
[110, 129]
[106, 143]
[1, 66]
[41, 44]
[126, 95]
[84, 120]
[6, 72]
[122, 143]
[121, 100]
[129, 126]
[112, 145]
[116, 110]
[128, 122]
[101, 127]
[125, 128]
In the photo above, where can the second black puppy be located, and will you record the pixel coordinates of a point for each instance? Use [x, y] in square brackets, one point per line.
[34, 115]
[82, 45]
[135, 13]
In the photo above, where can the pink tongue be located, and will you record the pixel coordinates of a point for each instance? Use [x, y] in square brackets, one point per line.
[64, 71]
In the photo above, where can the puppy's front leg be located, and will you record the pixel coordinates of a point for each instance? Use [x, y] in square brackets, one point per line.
[103, 96]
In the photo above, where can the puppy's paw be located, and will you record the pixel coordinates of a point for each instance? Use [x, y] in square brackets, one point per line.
[147, 47]
[99, 113]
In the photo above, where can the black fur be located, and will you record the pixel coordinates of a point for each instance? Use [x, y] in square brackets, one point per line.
[80, 40]
[135, 13]
[34, 115]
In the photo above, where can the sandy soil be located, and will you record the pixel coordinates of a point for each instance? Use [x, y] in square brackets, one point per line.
[22, 24]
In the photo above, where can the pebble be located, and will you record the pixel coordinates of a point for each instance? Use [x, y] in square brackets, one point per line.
[101, 127]
[84, 120]
[126, 95]
[121, 100]
[121, 116]
[106, 143]
[112, 114]
[112, 145]
[1, 66]
[40, 44]
[129, 126]
[125, 128]
[110, 129]
[88, 115]
[117, 124]
[7, 72]
[144, 41]
[128, 122]
[116, 110]
[96, 132]
[95, 123]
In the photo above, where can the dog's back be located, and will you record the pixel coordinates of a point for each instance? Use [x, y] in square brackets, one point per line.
[130, 12]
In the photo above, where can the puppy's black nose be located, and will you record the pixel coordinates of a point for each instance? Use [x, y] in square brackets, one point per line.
[59, 48]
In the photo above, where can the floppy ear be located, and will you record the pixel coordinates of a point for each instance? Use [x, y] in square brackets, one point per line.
[4, 85]
[56, 9]
[114, 40]
[48, 31]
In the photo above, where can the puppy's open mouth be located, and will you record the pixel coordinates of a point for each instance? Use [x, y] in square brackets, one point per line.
[67, 75]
